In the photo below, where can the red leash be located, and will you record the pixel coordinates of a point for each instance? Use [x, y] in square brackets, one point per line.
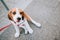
[4, 27]
[8, 26]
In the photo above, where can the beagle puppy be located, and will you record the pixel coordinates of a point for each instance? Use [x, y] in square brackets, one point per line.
[19, 19]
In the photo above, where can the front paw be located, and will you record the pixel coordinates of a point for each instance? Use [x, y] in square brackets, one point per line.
[30, 31]
[26, 32]
[17, 35]
[38, 24]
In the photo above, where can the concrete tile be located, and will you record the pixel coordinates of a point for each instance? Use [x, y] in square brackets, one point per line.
[18, 3]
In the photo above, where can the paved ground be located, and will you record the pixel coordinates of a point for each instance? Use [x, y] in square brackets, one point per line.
[46, 12]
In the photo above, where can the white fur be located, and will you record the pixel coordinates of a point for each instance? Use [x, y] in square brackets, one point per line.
[16, 15]
[34, 22]
[16, 28]
[37, 24]
[27, 28]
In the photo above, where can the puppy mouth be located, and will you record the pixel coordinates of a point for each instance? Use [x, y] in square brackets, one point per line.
[18, 20]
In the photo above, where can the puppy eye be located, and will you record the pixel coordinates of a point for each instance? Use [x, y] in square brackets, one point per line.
[21, 12]
[14, 13]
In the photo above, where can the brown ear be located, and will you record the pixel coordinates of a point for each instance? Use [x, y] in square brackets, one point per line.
[10, 15]
[24, 14]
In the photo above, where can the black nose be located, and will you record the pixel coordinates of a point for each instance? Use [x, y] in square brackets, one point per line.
[18, 18]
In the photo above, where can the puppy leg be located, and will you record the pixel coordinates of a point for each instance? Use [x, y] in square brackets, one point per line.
[26, 31]
[28, 27]
[36, 23]
[17, 29]
[30, 19]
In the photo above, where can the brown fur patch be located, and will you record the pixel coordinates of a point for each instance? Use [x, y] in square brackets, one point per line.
[24, 14]
[10, 15]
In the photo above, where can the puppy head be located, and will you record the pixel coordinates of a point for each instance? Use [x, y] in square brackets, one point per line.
[16, 15]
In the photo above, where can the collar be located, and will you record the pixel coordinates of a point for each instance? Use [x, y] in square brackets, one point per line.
[20, 23]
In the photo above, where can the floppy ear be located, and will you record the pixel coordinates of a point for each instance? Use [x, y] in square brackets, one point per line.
[10, 15]
[24, 15]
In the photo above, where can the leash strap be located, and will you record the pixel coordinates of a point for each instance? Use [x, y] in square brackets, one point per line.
[9, 25]
[4, 27]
